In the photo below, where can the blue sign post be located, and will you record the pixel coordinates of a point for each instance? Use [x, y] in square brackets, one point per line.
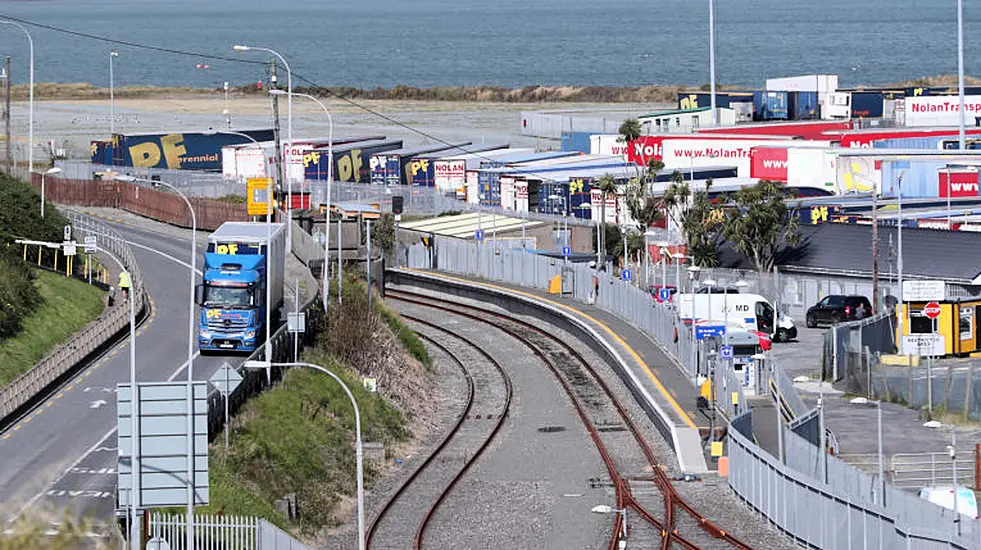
[725, 352]
[626, 274]
[567, 251]
[480, 235]
[705, 331]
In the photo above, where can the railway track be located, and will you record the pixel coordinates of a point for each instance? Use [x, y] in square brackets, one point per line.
[407, 514]
[608, 424]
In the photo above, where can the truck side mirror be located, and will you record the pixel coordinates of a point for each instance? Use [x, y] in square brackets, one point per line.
[199, 295]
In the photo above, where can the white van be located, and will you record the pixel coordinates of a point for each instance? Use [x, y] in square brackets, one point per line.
[967, 504]
[750, 311]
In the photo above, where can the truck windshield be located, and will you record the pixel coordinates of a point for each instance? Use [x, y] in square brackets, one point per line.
[227, 296]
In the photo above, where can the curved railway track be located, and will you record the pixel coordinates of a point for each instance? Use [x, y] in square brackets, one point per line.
[481, 395]
[590, 405]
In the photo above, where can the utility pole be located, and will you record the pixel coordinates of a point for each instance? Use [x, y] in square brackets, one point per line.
[6, 111]
[276, 136]
[875, 250]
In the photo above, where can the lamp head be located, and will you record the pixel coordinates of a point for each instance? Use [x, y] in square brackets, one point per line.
[274, 91]
[125, 178]
[241, 48]
[113, 54]
[54, 170]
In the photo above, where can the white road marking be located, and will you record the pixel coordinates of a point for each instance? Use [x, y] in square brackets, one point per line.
[98, 404]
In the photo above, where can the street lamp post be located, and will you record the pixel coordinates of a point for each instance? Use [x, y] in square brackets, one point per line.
[190, 351]
[289, 136]
[960, 75]
[715, 115]
[49, 171]
[112, 96]
[134, 504]
[30, 102]
[678, 258]
[330, 180]
[265, 365]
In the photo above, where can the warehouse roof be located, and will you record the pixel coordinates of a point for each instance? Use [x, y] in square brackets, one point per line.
[464, 226]
[847, 249]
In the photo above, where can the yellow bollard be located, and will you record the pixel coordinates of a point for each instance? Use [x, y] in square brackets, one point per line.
[87, 272]
[68, 267]
[25, 257]
[39, 256]
[56, 261]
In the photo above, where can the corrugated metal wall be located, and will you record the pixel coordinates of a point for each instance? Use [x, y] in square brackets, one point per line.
[919, 177]
[551, 125]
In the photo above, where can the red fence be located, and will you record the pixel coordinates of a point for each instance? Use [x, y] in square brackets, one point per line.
[163, 205]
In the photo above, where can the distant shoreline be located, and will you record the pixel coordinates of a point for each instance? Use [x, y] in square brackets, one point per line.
[476, 94]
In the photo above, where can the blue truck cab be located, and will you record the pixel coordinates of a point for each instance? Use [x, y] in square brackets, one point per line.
[242, 263]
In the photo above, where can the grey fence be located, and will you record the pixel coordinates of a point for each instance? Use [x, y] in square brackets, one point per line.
[851, 350]
[26, 387]
[847, 511]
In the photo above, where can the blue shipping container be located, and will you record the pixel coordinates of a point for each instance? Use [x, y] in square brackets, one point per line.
[351, 161]
[804, 105]
[553, 198]
[576, 141]
[179, 151]
[379, 168]
[101, 152]
[920, 177]
[867, 104]
[770, 105]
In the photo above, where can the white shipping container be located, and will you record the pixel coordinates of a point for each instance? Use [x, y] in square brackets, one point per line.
[607, 144]
[596, 210]
[679, 154]
[820, 83]
[940, 110]
[812, 167]
[473, 187]
[450, 175]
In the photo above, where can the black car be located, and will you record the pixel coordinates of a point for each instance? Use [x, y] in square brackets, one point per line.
[837, 308]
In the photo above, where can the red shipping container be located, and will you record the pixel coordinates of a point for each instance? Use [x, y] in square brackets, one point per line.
[958, 183]
[768, 163]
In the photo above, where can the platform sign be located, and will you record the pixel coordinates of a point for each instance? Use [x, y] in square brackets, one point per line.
[296, 322]
[162, 445]
[626, 274]
[69, 248]
[258, 191]
[706, 331]
[68, 232]
[664, 295]
[725, 352]
[91, 244]
[567, 251]
[479, 235]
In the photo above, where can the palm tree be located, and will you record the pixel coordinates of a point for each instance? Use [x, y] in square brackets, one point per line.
[630, 130]
[606, 185]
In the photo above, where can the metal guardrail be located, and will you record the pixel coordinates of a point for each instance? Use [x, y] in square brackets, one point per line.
[239, 532]
[65, 357]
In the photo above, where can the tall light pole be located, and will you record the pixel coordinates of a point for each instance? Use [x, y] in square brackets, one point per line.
[289, 137]
[54, 170]
[190, 351]
[330, 180]
[30, 102]
[112, 97]
[265, 365]
[715, 116]
[960, 73]
[678, 258]
[134, 496]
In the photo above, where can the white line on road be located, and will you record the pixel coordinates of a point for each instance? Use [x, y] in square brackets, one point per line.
[85, 455]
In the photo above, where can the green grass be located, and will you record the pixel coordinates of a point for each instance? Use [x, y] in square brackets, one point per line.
[412, 344]
[233, 199]
[68, 306]
[298, 438]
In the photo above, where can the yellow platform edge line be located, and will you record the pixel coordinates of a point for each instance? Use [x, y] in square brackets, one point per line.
[650, 374]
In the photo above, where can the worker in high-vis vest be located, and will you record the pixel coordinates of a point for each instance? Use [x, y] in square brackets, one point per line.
[125, 283]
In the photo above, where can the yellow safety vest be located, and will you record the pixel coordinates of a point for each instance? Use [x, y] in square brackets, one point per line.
[124, 281]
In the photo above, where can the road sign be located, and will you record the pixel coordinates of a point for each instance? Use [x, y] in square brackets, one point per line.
[567, 251]
[69, 248]
[664, 295]
[91, 244]
[68, 232]
[296, 322]
[725, 352]
[924, 291]
[258, 191]
[932, 310]
[371, 384]
[705, 331]
[479, 235]
[163, 442]
[626, 274]
[226, 379]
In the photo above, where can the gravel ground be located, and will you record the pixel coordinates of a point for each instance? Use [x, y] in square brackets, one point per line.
[530, 488]
[711, 496]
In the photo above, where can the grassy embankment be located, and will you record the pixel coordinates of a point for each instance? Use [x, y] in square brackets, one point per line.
[39, 309]
[297, 438]
[658, 93]
[68, 305]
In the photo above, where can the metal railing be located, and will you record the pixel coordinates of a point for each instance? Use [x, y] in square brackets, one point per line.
[214, 532]
[26, 387]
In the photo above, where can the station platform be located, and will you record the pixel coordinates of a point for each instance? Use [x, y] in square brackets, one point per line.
[662, 380]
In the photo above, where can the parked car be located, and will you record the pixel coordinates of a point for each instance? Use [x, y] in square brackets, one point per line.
[837, 308]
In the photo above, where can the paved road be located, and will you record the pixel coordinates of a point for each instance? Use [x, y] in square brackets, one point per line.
[63, 455]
